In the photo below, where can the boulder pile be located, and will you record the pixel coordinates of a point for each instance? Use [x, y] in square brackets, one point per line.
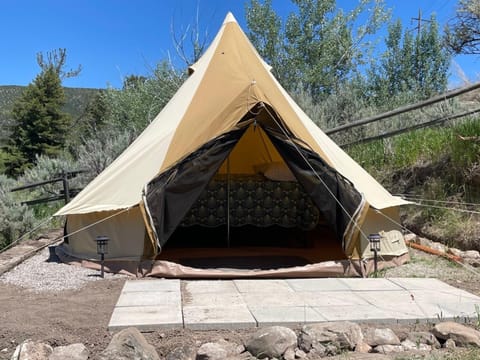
[312, 341]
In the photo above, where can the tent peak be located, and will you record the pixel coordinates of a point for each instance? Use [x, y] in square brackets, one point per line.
[229, 18]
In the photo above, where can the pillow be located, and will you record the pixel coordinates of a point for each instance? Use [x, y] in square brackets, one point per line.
[279, 171]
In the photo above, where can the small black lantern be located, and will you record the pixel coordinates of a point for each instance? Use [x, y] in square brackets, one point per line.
[102, 249]
[374, 240]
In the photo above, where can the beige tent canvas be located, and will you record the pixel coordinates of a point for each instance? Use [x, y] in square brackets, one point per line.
[230, 175]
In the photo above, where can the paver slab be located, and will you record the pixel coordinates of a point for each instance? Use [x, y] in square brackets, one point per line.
[226, 304]
[146, 318]
[262, 286]
[421, 284]
[273, 299]
[224, 317]
[331, 298]
[370, 284]
[324, 284]
[285, 315]
[356, 313]
[452, 296]
[152, 285]
[209, 286]
[149, 298]
[213, 299]
[400, 304]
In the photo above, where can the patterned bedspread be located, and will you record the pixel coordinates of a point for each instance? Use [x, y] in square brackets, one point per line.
[254, 200]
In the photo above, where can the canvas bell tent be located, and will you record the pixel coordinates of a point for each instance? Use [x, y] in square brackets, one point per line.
[233, 169]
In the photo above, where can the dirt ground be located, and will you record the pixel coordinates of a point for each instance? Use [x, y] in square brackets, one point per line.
[82, 315]
[71, 316]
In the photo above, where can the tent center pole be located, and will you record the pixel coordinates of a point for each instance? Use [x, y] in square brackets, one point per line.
[228, 201]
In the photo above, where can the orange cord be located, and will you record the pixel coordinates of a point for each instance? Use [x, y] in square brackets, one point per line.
[429, 250]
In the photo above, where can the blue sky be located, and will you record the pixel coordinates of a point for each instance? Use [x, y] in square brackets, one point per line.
[112, 39]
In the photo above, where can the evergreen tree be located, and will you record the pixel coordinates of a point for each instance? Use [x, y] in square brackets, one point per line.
[41, 126]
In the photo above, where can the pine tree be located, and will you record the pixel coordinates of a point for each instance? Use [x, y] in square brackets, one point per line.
[41, 127]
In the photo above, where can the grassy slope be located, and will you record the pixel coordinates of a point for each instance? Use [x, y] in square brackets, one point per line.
[438, 168]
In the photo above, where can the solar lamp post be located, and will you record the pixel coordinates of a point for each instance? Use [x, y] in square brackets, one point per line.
[102, 249]
[374, 240]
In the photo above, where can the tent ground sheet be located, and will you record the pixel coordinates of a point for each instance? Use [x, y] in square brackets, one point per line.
[150, 304]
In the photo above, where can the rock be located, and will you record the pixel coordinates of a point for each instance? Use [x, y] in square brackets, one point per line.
[424, 241]
[439, 247]
[471, 254]
[375, 337]
[409, 345]
[363, 347]
[456, 252]
[32, 350]
[360, 356]
[343, 335]
[184, 352]
[211, 351]
[289, 354]
[129, 344]
[473, 262]
[461, 334]
[219, 350]
[424, 337]
[271, 342]
[388, 349]
[300, 354]
[243, 356]
[410, 237]
[72, 352]
[319, 350]
[449, 344]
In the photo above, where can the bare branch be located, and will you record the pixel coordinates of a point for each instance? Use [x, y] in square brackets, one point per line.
[462, 35]
[197, 43]
[57, 59]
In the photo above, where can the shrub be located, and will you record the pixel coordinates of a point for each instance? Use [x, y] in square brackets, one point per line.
[16, 219]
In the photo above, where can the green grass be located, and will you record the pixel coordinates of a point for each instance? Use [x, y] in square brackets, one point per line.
[466, 152]
[435, 164]
[419, 146]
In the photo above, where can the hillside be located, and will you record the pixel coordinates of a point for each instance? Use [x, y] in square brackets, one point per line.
[77, 100]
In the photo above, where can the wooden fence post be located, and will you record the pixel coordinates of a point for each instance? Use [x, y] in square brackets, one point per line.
[66, 190]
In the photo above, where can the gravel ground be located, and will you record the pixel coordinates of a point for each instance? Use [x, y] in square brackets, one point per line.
[44, 272]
